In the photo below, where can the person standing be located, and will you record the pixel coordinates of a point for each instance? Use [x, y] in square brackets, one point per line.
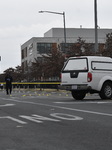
[8, 80]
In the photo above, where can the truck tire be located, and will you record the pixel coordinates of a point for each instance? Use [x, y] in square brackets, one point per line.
[106, 91]
[78, 95]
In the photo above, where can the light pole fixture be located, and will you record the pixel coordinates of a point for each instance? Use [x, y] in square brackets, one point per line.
[96, 26]
[58, 13]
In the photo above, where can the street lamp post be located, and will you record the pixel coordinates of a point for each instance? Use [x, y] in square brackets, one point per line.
[96, 26]
[63, 13]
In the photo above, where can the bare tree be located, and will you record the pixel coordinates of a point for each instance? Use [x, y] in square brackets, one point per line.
[80, 48]
[36, 70]
[107, 51]
[53, 63]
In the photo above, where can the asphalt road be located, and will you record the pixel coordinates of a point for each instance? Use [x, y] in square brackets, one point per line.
[41, 120]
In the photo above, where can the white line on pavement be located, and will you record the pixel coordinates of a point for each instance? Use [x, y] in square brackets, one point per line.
[85, 102]
[7, 105]
[13, 119]
[61, 107]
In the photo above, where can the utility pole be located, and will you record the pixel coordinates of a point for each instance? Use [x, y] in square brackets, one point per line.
[96, 26]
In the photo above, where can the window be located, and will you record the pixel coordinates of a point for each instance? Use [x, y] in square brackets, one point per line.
[76, 64]
[68, 45]
[44, 48]
[24, 53]
[102, 65]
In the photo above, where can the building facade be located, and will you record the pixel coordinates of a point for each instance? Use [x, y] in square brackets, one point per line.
[35, 47]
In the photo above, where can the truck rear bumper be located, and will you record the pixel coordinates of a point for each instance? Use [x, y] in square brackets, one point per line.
[75, 87]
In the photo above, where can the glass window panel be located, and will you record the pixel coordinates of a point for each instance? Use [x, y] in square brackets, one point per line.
[76, 64]
[101, 66]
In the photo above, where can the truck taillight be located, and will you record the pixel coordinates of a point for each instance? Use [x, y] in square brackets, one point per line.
[89, 77]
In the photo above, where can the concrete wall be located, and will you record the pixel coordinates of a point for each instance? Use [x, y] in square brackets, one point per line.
[85, 33]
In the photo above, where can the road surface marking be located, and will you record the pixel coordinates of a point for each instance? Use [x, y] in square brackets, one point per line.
[38, 118]
[65, 116]
[61, 107]
[5, 105]
[85, 102]
[13, 119]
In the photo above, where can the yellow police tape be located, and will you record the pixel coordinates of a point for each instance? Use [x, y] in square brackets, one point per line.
[32, 83]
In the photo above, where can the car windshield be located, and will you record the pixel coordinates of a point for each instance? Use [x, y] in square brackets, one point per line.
[76, 64]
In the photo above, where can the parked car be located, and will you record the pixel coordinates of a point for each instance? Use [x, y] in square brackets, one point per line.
[88, 74]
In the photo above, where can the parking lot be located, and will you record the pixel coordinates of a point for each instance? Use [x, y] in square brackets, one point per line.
[53, 120]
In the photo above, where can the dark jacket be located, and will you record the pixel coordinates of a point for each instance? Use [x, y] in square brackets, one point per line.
[8, 80]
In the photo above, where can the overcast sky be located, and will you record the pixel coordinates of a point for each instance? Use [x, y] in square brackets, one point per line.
[20, 21]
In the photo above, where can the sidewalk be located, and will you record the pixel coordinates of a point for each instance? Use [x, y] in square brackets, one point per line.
[38, 92]
[46, 93]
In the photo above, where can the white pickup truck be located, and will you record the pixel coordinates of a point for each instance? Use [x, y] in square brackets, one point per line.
[88, 74]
